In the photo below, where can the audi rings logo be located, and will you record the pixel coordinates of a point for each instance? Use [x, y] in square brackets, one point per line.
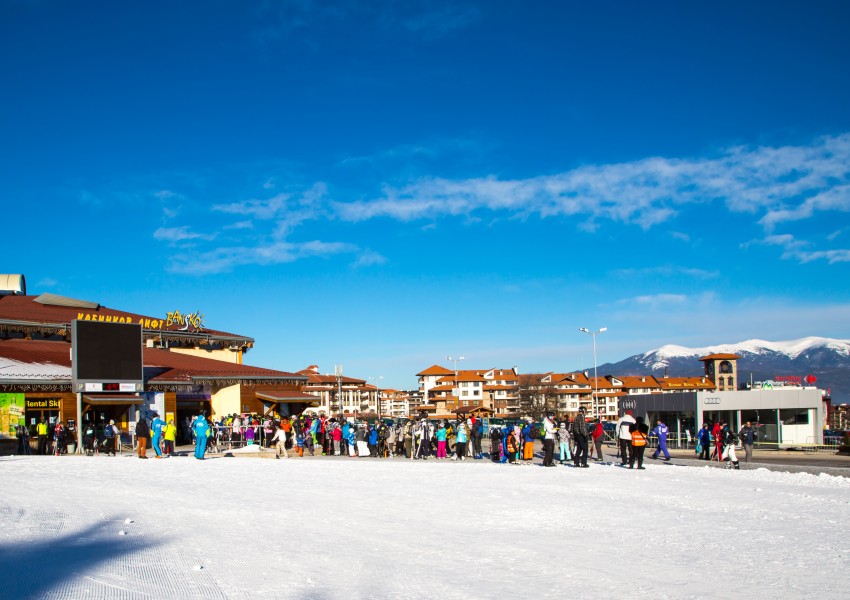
[712, 401]
[628, 404]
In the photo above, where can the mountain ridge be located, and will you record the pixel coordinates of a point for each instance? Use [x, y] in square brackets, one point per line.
[828, 359]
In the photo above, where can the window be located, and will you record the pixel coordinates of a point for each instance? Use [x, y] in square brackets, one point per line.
[464, 393]
[793, 416]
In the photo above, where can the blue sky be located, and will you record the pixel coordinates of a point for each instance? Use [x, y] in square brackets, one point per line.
[381, 185]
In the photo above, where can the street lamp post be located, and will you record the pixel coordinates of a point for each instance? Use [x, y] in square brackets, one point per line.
[377, 394]
[457, 385]
[595, 374]
[338, 373]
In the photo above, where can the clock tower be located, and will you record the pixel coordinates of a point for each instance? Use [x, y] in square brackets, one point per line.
[722, 369]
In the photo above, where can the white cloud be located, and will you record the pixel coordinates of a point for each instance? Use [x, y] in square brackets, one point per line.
[174, 235]
[787, 183]
[369, 258]
[227, 258]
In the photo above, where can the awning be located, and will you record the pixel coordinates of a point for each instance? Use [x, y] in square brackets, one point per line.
[287, 396]
[112, 399]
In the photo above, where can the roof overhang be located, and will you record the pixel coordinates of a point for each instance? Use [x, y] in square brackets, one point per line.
[112, 399]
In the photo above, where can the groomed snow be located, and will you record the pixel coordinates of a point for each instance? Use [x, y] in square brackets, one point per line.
[370, 528]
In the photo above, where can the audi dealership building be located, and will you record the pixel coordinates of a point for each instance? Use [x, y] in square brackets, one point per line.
[785, 417]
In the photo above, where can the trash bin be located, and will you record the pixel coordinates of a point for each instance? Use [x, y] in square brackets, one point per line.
[72, 448]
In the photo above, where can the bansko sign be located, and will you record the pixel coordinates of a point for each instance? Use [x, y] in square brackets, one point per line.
[193, 322]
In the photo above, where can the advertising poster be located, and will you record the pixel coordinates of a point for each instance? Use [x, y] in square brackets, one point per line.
[11, 413]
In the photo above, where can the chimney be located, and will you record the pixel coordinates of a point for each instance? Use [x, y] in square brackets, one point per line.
[665, 372]
[643, 379]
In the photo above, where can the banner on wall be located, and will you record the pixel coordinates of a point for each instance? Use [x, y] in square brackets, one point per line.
[12, 407]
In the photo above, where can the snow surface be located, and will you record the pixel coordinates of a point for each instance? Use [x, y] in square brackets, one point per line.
[367, 528]
[790, 348]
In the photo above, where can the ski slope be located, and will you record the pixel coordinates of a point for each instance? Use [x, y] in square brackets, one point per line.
[325, 528]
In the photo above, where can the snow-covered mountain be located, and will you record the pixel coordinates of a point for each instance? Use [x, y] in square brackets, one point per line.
[826, 358]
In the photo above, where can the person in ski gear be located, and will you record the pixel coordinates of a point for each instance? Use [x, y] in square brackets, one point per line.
[143, 432]
[549, 433]
[41, 433]
[279, 440]
[704, 440]
[729, 440]
[528, 441]
[639, 431]
[624, 436]
[564, 442]
[202, 430]
[461, 442]
[579, 435]
[597, 436]
[660, 431]
[441, 440]
[169, 436]
[156, 430]
[109, 438]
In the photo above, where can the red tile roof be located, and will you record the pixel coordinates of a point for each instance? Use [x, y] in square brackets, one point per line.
[176, 367]
[25, 309]
[435, 370]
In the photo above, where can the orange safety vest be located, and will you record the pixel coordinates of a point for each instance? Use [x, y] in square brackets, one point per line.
[638, 439]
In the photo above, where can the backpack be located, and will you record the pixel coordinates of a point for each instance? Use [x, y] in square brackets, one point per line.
[534, 432]
[108, 431]
[730, 438]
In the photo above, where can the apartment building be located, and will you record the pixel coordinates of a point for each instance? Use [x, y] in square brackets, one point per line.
[445, 392]
[336, 393]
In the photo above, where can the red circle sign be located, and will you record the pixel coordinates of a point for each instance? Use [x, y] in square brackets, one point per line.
[810, 379]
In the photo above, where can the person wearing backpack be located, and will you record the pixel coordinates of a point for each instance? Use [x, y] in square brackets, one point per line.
[639, 434]
[704, 441]
[597, 436]
[529, 434]
[729, 440]
[109, 438]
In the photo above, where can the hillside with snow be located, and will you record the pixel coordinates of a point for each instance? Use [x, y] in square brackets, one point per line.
[827, 359]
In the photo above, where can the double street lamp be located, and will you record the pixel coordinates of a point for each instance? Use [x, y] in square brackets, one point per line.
[595, 374]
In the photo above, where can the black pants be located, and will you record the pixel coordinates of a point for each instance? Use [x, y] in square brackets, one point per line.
[461, 449]
[580, 456]
[548, 452]
[42, 444]
[706, 448]
[637, 455]
[476, 446]
[625, 450]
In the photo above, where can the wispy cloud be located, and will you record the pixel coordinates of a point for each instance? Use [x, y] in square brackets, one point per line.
[369, 258]
[175, 235]
[225, 259]
[656, 299]
[785, 183]
[776, 185]
[795, 249]
[666, 271]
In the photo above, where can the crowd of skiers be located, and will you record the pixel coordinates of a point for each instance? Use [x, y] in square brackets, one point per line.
[574, 441]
